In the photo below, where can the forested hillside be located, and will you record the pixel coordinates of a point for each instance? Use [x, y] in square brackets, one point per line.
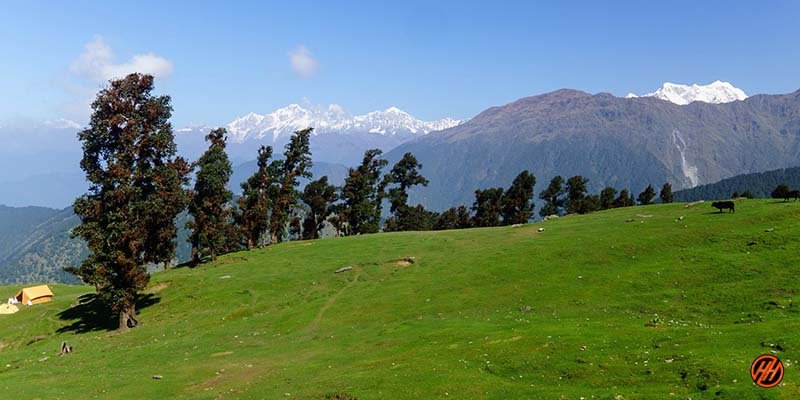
[760, 185]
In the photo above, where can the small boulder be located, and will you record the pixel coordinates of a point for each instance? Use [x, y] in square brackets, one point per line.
[343, 269]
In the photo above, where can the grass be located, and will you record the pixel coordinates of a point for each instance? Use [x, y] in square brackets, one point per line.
[631, 303]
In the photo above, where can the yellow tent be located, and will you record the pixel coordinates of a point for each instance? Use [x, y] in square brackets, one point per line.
[35, 295]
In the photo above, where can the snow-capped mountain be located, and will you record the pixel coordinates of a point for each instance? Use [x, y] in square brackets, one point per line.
[333, 119]
[338, 136]
[716, 92]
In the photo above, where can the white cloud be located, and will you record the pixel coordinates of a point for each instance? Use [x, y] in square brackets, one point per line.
[303, 62]
[96, 63]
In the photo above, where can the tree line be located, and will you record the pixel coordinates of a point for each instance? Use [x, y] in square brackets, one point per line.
[139, 186]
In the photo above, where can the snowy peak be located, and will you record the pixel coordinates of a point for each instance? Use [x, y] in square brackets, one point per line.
[716, 92]
[332, 119]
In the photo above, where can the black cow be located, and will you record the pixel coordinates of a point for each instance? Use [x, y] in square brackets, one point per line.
[793, 194]
[724, 205]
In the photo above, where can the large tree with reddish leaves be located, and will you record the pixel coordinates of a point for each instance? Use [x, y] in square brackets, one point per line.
[136, 191]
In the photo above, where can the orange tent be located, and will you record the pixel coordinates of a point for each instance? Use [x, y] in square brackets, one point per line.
[35, 295]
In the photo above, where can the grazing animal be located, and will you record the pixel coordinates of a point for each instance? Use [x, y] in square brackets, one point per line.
[793, 194]
[724, 205]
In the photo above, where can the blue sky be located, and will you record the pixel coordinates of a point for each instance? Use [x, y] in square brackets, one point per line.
[220, 60]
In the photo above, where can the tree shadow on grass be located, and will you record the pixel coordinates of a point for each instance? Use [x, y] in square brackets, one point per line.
[91, 315]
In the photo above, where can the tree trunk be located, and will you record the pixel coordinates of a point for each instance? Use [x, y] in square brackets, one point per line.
[127, 318]
[167, 264]
[250, 244]
[195, 256]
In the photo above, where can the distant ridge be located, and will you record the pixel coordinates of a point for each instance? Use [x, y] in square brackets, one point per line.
[760, 184]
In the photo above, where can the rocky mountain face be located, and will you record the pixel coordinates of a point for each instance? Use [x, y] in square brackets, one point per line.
[620, 142]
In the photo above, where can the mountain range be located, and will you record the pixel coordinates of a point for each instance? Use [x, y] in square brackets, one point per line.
[612, 141]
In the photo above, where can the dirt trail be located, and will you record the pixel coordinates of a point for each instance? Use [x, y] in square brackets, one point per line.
[313, 324]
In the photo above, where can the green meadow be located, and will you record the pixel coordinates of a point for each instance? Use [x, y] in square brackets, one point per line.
[655, 302]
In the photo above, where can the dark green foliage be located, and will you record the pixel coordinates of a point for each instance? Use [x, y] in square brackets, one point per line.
[747, 194]
[361, 196]
[780, 192]
[210, 209]
[296, 164]
[591, 203]
[607, 196]
[517, 201]
[666, 194]
[647, 196]
[403, 175]
[454, 218]
[258, 191]
[758, 185]
[552, 196]
[487, 207]
[625, 199]
[415, 218]
[319, 196]
[576, 194]
[135, 193]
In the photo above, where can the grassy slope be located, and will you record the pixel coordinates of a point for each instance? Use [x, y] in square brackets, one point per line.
[283, 325]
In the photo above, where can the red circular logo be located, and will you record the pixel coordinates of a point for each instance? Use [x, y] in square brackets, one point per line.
[766, 371]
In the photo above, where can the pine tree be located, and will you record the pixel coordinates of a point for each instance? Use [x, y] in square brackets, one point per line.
[576, 194]
[319, 196]
[647, 196]
[607, 197]
[454, 218]
[210, 209]
[552, 197]
[361, 209]
[135, 193]
[666, 194]
[296, 164]
[517, 201]
[487, 207]
[403, 175]
[781, 192]
[258, 191]
[625, 199]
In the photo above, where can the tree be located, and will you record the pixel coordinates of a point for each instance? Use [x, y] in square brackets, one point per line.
[135, 192]
[454, 218]
[404, 174]
[487, 207]
[517, 204]
[576, 194]
[781, 192]
[747, 194]
[415, 218]
[296, 164]
[647, 196]
[624, 199]
[666, 193]
[209, 208]
[590, 203]
[607, 196]
[319, 196]
[361, 209]
[553, 202]
[258, 191]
